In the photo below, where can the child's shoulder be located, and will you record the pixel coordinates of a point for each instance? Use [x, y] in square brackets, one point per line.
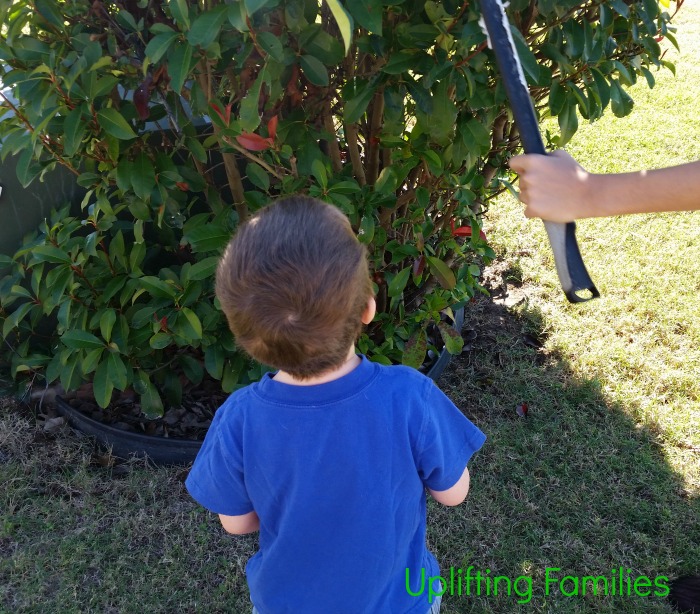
[406, 377]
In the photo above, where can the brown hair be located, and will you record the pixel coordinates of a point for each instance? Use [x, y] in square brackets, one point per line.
[293, 283]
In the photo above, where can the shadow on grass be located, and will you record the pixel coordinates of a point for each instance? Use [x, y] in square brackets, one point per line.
[576, 485]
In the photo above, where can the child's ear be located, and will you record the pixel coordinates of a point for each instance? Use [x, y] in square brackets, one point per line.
[370, 310]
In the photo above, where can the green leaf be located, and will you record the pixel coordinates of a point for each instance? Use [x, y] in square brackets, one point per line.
[399, 281]
[204, 269]
[356, 106]
[107, 321]
[143, 176]
[568, 122]
[250, 115]
[442, 273]
[157, 287]
[452, 339]
[258, 176]
[271, 45]
[115, 125]
[415, 349]
[179, 66]
[14, 318]
[344, 21]
[158, 46]
[366, 231]
[206, 27]
[71, 375]
[49, 253]
[160, 340]
[102, 385]
[50, 11]
[210, 238]
[192, 368]
[188, 325]
[81, 340]
[621, 8]
[151, 403]
[73, 131]
[314, 70]
[117, 370]
[251, 6]
[368, 13]
[91, 359]
[620, 101]
[180, 12]
[214, 361]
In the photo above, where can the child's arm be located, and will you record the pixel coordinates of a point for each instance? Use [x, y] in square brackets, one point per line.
[240, 525]
[455, 495]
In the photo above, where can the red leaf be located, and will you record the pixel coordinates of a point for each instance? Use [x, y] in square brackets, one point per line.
[164, 323]
[217, 109]
[521, 410]
[418, 266]
[228, 113]
[183, 186]
[465, 231]
[142, 96]
[272, 127]
[254, 142]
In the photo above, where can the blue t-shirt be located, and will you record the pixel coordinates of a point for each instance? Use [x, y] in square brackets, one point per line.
[337, 473]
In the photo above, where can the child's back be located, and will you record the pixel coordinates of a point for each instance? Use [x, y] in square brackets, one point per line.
[334, 468]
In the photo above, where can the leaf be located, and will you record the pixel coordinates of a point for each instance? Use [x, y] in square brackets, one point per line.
[143, 176]
[49, 253]
[251, 6]
[192, 368]
[210, 238]
[156, 287]
[102, 385]
[204, 268]
[115, 125]
[568, 122]
[368, 13]
[365, 233]
[160, 340]
[14, 318]
[318, 170]
[179, 66]
[355, 107]
[314, 70]
[151, 403]
[71, 374]
[254, 142]
[415, 349]
[258, 176]
[206, 27]
[188, 325]
[158, 46]
[620, 101]
[117, 370]
[107, 321]
[399, 281]
[180, 12]
[50, 11]
[250, 115]
[214, 361]
[344, 21]
[452, 339]
[73, 131]
[271, 45]
[81, 340]
[442, 273]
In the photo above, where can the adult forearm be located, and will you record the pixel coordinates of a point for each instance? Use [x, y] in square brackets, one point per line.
[676, 188]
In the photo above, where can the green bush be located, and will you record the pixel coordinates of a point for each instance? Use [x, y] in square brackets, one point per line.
[182, 118]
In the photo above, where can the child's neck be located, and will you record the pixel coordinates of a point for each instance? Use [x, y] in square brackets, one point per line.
[351, 362]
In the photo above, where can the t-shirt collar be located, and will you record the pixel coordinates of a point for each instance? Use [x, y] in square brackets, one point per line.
[346, 386]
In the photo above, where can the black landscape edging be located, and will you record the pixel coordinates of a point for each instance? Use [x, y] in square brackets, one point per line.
[173, 451]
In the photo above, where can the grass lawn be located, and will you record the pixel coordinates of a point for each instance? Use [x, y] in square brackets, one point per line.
[603, 474]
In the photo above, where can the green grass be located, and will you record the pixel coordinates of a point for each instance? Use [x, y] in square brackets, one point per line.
[604, 473]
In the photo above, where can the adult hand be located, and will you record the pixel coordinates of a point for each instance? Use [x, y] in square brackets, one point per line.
[553, 187]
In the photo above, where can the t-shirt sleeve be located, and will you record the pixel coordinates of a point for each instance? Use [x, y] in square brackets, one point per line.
[216, 478]
[446, 442]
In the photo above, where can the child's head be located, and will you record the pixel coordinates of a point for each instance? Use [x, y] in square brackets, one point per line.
[294, 283]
